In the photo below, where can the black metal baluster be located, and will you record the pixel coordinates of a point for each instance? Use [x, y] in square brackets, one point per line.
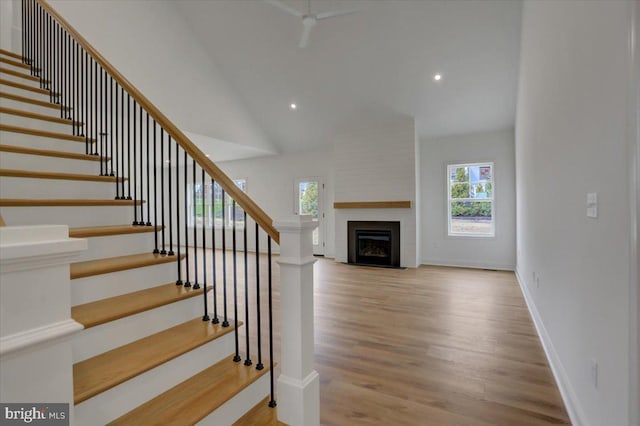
[259, 365]
[60, 79]
[163, 251]
[196, 285]
[205, 317]
[225, 322]
[155, 188]
[87, 103]
[49, 56]
[247, 360]
[215, 319]
[236, 358]
[95, 89]
[100, 112]
[122, 165]
[186, 223]
[141, 143]
[170, 252]
[113, 157]
[179, 281]
[148, 178]
[68, 104]
[103, 119]
[135, 164]
[128, 147]
[272, 402]
[76, 105]
[23, 36]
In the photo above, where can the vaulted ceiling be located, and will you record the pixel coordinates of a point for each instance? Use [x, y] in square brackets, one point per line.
[378, 61]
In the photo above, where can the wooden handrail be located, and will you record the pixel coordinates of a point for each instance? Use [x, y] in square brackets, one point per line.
[243, 200]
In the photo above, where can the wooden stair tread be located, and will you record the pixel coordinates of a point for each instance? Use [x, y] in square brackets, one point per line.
[104, 231]
[90, 268]
[192, 400]
[260, 415]
[57, 176]
[49, 153]
[63, 202]
[31, 101]
[19, 74]
[10, 53]
[113, 308]
[15, 63]
[37, 116]
[102, 372]
[43, 133]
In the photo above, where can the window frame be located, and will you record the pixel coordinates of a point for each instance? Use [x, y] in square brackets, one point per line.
[492, 199]
[210, 220]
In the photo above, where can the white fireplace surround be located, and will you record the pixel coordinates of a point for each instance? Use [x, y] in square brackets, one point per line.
[406, 217]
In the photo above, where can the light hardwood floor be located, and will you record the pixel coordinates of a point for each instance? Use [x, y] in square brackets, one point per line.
[425, 346]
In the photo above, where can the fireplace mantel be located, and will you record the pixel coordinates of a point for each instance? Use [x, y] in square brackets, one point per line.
[372, 205]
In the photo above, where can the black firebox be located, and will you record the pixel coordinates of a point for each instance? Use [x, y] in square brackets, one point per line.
[374, 243]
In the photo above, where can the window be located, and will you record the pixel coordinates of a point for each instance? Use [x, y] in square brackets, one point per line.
[209, 211]
[471, 199]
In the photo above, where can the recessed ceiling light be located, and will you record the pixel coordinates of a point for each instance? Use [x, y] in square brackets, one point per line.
[437, 77]
[293, 106]
[168, 161]
[208, 156]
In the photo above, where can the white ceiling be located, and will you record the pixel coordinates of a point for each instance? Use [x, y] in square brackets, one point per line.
[376, 62]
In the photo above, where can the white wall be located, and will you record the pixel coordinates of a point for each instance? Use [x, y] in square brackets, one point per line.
[571, 139]
[153, 47]
[377, 162]
[437, 247]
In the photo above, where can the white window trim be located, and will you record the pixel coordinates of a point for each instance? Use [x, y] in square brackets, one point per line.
[449, 166]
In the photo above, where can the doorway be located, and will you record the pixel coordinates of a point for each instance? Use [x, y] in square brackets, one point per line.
[309, 196]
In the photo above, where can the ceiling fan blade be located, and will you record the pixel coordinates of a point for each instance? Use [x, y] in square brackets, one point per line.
[327, 15]
[305, 36]
[286, 8]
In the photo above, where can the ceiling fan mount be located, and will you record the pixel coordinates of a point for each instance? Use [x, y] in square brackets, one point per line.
[309, 20]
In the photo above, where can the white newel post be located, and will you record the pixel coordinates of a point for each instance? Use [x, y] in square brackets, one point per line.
[35, 314]
[298, 384]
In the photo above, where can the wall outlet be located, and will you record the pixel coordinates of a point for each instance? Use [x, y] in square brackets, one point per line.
[594, 373]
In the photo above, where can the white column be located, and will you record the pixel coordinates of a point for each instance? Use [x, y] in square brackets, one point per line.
[298, 384]
[35, 314]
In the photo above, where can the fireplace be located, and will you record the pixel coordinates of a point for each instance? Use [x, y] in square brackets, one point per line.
[374, 243]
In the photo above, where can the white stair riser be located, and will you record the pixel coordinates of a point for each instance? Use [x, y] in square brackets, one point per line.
[13, 160]
[20, 187]
[31, 123]
[229, 412]
[72, 216]
[118, 245]
[39, 142]
[26, 93]
[14, 67]
[123, 398]
[90, 289]
[26, 106]
[96, 340]
[11, 77]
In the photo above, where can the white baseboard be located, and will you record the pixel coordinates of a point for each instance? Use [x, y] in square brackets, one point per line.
[571, 403]
[468, 264]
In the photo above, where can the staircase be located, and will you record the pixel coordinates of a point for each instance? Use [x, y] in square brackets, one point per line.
[145, 355]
